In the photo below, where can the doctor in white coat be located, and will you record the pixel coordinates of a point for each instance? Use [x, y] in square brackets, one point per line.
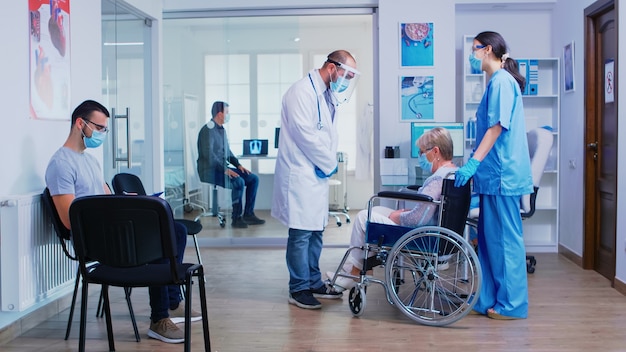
[306, 159]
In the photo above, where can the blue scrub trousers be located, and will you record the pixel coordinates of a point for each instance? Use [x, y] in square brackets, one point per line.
[303, 256]
[502, 257]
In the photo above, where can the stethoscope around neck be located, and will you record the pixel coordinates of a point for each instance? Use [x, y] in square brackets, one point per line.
[319, 114]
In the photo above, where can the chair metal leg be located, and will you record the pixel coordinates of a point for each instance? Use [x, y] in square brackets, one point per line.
[107, 310]
[203, 310]
[187, 314]
[100, 310]
[127, 292]
[69, 319]
[83, 317]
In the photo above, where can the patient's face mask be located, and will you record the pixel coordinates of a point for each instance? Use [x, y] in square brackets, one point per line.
[423, 162]
[96, 139]
[226, 117]
[344, 83]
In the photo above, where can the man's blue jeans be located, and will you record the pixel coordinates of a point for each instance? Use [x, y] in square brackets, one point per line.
[251, 183]
[163, 298]
[303, 255]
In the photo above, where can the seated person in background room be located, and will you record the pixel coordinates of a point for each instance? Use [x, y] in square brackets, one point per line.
[72, 173]
[435, 156]
[214, 155]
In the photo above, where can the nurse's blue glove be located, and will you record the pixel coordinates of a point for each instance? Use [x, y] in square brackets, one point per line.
[319, 172]
[333, 172]
[466, 172]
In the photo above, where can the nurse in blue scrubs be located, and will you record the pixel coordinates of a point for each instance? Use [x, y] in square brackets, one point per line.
[501, 170]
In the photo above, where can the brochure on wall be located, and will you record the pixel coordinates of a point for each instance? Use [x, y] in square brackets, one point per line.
[49, 59]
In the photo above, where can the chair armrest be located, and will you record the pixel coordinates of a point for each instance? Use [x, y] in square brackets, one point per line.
[405, 195]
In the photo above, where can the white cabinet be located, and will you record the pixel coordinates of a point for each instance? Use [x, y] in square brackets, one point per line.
[541, 108]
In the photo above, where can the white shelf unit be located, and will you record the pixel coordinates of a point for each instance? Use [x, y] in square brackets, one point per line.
[543, 109]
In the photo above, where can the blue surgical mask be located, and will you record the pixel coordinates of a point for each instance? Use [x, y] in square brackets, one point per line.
[340, 85]
[424, 164]
[475, 63]
[226, 118]
[96, 139]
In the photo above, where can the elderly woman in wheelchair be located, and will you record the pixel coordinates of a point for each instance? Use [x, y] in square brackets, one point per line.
[431, 273]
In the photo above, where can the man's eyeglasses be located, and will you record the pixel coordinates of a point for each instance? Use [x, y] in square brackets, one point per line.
[425, 151]
[478, 47]
[100, 128]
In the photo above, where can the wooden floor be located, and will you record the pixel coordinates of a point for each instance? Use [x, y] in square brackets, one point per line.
[570, 310]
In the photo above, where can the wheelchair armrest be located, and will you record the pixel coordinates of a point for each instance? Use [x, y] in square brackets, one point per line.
[406, 196]
[413, 187]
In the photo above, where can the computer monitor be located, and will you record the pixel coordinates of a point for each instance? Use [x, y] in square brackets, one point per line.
[455, 129]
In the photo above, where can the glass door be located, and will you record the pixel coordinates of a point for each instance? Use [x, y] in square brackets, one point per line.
[126, 63]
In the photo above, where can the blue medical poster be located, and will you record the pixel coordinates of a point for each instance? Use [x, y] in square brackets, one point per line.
[416, 43]
[417, 98]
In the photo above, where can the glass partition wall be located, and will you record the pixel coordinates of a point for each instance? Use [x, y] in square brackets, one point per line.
[248, 62]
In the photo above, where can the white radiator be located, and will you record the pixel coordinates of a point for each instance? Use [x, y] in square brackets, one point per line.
[32, 263]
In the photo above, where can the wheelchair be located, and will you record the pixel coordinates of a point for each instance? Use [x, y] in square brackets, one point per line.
[432, 274]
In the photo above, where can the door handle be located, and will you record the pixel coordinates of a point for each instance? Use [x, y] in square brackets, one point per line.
[114, 137]
[593, 146]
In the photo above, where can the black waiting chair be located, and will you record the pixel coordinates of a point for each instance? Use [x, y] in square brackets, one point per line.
[124, 236]
[64, 236]
[125, 183]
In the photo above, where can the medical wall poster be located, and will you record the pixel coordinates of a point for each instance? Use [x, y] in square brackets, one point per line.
[609, 81]
[416, 44]
[49, 59]
[417, 98]
[568, 67]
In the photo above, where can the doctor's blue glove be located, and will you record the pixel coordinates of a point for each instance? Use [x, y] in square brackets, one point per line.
[466, 172]
[334, 171]
[320, 173]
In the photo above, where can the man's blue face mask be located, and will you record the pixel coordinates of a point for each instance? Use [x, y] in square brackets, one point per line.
[340, 85]
[96, 139]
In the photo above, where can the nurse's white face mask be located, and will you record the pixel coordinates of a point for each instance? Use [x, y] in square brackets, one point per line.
[345, 81]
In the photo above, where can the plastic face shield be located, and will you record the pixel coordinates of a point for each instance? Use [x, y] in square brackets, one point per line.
[347, 78]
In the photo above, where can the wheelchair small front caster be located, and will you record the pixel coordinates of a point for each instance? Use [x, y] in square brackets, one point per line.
[356, 300]
[338, 223]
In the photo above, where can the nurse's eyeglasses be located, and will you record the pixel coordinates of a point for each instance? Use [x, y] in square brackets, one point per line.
[478, 47]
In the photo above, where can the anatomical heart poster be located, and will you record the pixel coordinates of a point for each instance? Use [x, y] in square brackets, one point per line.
[49, 59]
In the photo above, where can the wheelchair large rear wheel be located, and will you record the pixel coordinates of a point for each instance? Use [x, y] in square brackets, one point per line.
[440, 276]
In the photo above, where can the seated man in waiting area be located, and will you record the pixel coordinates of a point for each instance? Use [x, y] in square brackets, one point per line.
[214, 155]
[72, 173]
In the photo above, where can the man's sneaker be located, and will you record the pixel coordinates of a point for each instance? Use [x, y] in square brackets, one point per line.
[304, 299]
[239, 223]
[178, 315]
[253, 220]
[326, 291]
[166, 331]
[341, 283]
[443, 265]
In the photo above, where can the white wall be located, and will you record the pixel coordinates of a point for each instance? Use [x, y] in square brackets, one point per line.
[391, 14]
[28, 144]
[569, 26]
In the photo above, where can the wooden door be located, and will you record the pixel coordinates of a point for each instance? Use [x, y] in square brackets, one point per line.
[600, 137]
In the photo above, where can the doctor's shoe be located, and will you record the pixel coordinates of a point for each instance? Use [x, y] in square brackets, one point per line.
[326, 291]
[304, 299]
[239, 223]
[251, 219]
